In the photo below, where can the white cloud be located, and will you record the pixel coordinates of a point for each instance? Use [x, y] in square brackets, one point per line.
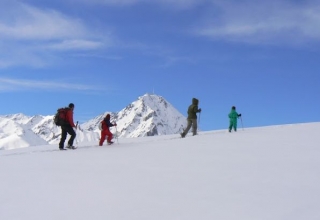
[27, 32]
[76, 44]
[5, 64]
[116, 2]
[183, 4]
[31, 23]
[176, 4]
[263, 22]
[11, 84]
[16, 53]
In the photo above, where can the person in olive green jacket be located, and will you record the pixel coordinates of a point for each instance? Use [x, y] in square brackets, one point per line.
[192, 118]
[233, 116]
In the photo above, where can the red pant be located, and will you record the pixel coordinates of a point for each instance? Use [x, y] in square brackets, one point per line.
[105, 133]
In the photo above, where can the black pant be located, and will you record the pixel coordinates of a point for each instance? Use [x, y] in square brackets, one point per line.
[64, 131]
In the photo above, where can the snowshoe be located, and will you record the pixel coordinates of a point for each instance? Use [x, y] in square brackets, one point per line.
[71, 147]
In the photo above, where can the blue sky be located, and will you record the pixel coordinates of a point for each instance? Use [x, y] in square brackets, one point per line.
[261, 56]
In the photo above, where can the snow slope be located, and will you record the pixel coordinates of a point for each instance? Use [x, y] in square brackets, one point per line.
[265, 173]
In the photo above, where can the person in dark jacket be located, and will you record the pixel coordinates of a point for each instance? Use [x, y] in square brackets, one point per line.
[233, 116]
[192, 118]
[105, 131]
[68, 127]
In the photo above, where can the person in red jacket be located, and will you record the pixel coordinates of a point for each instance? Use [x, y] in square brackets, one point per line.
[105, 132]
[68, 127]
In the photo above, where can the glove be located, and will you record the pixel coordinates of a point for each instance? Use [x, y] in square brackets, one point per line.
[115, 124]
[199, 110]
[239, 115]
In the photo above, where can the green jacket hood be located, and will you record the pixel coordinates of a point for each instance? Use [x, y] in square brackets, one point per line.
[195, 101]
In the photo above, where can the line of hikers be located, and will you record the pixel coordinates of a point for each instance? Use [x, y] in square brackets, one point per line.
[64, 118]
[193, 109]
[68, 126]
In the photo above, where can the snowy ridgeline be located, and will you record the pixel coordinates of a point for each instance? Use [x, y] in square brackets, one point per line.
[150, 115]
[269, 173]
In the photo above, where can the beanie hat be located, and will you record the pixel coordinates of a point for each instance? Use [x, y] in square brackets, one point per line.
[71, 105]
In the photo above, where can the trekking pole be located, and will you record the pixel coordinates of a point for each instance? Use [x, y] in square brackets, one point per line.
[198, 122]
[241, 122]
[76, 134]
[117, 134]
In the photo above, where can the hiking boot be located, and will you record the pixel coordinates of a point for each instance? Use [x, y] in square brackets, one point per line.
[182, 135]
[110, 142]
[61, 148]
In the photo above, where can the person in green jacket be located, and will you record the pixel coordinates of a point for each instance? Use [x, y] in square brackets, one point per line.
[192, 118]
[233, 116]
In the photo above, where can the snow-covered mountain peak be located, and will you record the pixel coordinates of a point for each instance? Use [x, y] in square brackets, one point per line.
[149, 115]
[18, 118]
[16, 131]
